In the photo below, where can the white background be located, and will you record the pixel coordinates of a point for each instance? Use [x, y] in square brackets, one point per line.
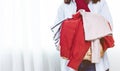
[26, 39]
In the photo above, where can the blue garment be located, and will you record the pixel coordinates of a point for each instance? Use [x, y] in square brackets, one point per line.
[86, 66]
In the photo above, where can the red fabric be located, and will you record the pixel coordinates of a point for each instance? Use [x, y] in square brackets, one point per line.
[72, 41]
[107, 42]
[81, 4]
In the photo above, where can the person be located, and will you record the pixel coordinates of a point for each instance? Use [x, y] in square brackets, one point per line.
[66, 10]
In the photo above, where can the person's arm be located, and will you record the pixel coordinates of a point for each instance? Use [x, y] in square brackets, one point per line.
[60, 14]
[56, 27]
[105, 12]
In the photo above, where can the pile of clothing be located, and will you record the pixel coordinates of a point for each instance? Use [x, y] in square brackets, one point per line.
[83, 31]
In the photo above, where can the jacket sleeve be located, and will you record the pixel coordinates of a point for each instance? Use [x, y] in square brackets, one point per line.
[107, 41]
[56, 27]
[105, 12]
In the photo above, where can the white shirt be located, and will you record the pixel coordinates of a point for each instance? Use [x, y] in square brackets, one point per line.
[66, 11]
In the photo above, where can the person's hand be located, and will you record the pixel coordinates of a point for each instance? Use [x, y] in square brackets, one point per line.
[88, 55]
[58, 48]
[65, 58]
[101, 51]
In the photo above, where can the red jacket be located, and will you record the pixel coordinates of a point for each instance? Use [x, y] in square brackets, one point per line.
[72, 41]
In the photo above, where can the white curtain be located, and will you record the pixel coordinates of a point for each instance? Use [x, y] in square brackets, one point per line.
[25, 36]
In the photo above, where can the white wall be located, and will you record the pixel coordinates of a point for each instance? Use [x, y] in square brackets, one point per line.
[114, 56]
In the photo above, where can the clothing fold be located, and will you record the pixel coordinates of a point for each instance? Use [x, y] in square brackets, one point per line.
[73, 42]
